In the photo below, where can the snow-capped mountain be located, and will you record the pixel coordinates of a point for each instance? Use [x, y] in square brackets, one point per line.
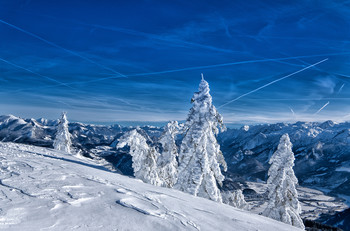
[322, 152]
[41, 132]
[44, 189]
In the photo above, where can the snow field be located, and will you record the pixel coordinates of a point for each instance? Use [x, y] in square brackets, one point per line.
[44, 189]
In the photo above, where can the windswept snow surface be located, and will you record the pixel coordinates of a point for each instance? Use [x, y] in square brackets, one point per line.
[44, 189]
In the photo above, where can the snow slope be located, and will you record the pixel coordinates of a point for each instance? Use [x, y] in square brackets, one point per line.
[322, 150]
[43, 189]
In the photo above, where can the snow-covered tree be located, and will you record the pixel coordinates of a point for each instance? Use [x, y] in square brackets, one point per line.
[144, 157]
[200, 156]
[62, 141]
[167, 163]
[283, 204]
[235, 199]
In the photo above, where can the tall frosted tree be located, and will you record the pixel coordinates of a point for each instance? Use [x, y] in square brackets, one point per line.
[167, 163]
[62, 140]
[200, 157]
[144, 157]
[283, 204]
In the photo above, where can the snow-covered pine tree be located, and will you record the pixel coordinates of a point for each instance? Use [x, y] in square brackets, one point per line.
[235, 199]
[62, 140]
[200, 156]
[167, 163]
[144, 157]
[283, 204]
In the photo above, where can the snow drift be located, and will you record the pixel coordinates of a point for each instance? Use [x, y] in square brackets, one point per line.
[44, 189]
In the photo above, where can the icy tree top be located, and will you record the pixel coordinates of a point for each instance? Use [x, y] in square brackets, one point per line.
[203, 110]
[284, 154]
[202, 96]
[62, 141]
[64, 119]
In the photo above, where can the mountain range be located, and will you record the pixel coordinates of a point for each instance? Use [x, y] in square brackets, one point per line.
[322, 152]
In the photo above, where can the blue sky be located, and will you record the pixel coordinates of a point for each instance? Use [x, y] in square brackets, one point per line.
[106, 61]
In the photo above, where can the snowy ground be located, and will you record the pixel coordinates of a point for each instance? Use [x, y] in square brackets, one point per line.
[313, 202]
[41, 189]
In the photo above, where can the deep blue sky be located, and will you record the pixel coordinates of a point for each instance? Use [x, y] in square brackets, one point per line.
[96, 59]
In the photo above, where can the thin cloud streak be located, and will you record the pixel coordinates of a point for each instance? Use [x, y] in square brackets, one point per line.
[292, 111]
[322, 108]
[195, 68]
[35, 73]
[60, 47]
[275, 81]
[216, 65]
[159, 38]
[341, 88]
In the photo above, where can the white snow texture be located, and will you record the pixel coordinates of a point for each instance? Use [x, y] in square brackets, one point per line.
[45, 189]
[235, 199]
[167, 163]
[144, 157]
[200, 156]
[62, 141]
[283, 204]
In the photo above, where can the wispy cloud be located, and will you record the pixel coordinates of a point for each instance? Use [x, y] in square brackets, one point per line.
[35, 73]
[319, 110]
[326, 84]
[60, 47]
[293, 113]
[341, 88]
[163, 47]
[171, 41]
[270, 83]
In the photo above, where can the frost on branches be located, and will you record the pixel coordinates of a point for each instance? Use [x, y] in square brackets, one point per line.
[143, 157]
[200, 156]
[62, 141]
[235, 199]
[283, 204]
[167, 163]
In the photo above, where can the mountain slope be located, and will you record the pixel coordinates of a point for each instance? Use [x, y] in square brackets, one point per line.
[42, 189]
[322, 152]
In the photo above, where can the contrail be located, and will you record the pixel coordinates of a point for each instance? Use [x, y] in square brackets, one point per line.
[198, 68]
[322, 108]
[342, 75]
[169, 41]
[341, 88]
[223, 65]
[159, 38]
[297, 99]
[58, 46]
[35, 73]
[292, 111]
[233, 63]
[275, 81]
[175, 41]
